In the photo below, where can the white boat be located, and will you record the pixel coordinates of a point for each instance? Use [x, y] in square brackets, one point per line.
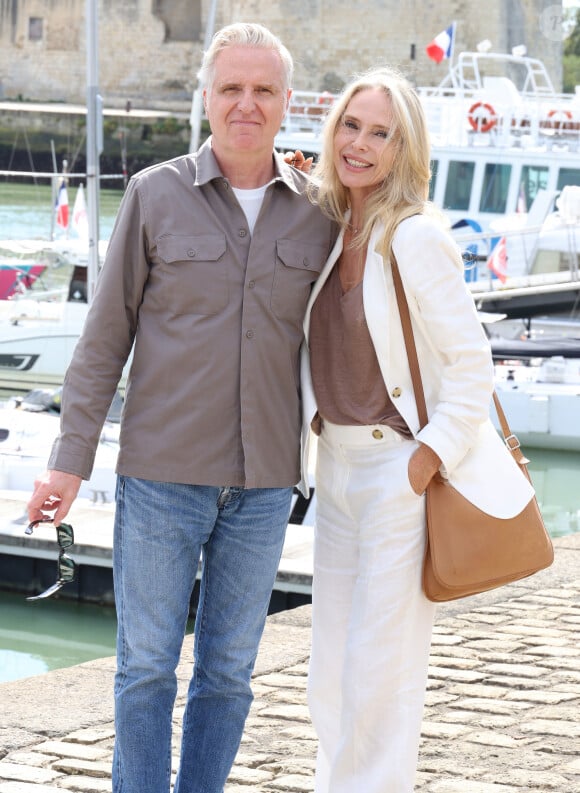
[499, 133]
[505, 145]
[28, 428]
[541, 399]
[40, 325]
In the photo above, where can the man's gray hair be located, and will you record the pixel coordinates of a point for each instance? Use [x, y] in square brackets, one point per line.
[244, 34]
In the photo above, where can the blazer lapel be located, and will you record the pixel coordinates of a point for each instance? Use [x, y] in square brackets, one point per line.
[321, 280]
[376, 302]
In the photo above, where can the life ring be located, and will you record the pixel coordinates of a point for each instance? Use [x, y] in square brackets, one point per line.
[559, 119]
[482, 121]
[325, 98]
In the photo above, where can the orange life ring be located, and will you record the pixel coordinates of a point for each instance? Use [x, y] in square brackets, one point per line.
[562, 122]
[482, 121]
[325, 98]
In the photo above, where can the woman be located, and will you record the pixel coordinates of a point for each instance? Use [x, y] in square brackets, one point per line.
[371, 621]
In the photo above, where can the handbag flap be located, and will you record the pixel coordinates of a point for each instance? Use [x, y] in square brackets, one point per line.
[489, 476]
[472, 551]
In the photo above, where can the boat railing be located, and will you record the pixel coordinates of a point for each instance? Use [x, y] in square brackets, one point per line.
[498, 115]
[524, 242]
[69, 175]
[487, 99]
[471, 69]
[307, 111]
[464, 117]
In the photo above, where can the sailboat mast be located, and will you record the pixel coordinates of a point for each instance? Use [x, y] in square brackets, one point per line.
[94, 143]
[197, 99]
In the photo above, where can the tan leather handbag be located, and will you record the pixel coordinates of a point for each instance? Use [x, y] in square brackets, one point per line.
[467, 550]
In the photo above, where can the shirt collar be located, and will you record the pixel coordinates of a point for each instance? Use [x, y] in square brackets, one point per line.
[208, 169]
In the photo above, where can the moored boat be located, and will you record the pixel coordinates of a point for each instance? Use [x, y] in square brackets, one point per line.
[40, 325]
[541, 399]
[499, 131]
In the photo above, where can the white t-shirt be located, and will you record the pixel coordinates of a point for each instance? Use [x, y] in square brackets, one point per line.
[251, 202]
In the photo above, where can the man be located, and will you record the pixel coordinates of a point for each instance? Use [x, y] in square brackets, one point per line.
[207, 274]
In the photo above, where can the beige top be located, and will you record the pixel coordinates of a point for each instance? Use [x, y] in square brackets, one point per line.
[346, 377]
[215, 314]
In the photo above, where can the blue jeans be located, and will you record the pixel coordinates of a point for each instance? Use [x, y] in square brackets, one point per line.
[160, 532]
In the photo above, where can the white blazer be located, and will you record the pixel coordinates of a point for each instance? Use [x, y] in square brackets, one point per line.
[454, 359]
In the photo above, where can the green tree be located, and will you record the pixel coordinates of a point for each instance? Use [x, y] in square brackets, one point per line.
[572, 42]
[571, 75]
[571, 59]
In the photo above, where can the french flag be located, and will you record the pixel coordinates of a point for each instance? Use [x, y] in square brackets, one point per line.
[62, 206]
[497, 262]
[442, 45]
[80, 223]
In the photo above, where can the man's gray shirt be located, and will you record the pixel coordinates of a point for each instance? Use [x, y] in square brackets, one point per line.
[215, 314]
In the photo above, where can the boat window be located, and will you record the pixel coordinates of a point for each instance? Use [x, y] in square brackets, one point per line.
[534, 178]
[549, 262]
[433, 180]
[496, 179]
[459, 182]
[568, 176]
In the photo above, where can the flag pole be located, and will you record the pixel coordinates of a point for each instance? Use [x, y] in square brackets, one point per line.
[452, 75]
[94, 144]
[197, 99]
[452, 53]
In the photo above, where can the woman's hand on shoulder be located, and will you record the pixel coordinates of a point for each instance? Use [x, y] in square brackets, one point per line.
[423, 465]
[299, 161]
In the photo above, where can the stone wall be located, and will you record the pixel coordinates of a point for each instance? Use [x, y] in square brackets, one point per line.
[150, 50]
[143, 54]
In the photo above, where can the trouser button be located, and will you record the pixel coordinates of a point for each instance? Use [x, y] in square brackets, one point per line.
[377, 434]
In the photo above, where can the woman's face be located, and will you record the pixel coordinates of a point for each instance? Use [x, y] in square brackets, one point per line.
[364, 148]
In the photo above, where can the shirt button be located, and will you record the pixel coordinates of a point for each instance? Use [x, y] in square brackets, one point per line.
[242, 233]
[306, 261]
[396, 392]
[377, 435]
[251, 284]
[191, 253]
[249, 334]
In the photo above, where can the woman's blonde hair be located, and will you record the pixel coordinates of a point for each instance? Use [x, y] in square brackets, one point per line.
[405, 189]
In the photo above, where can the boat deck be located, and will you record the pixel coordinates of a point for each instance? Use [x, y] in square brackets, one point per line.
[28, 563]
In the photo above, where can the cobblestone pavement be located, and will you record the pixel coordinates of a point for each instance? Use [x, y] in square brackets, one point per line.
[502, 712]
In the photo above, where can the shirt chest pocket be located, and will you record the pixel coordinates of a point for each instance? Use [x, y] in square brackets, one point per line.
[194, 273]
[298, 265]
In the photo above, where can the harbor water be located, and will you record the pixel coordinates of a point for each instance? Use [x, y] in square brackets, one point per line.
[38, 637]
[26, 211]
[51, 634]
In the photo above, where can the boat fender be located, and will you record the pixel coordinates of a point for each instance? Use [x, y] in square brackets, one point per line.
[485, 119]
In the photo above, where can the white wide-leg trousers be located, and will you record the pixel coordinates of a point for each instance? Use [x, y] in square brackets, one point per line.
[371, 622]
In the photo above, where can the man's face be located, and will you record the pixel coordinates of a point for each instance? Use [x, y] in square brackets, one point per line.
[247, 100]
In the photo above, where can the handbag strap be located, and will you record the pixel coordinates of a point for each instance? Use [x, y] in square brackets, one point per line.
[510, 439]
[409, 343]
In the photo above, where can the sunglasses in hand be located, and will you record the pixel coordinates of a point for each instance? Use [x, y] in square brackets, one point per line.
[66, 565]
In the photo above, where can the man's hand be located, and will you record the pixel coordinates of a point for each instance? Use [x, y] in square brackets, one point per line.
[54, 490]
[298, 160]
